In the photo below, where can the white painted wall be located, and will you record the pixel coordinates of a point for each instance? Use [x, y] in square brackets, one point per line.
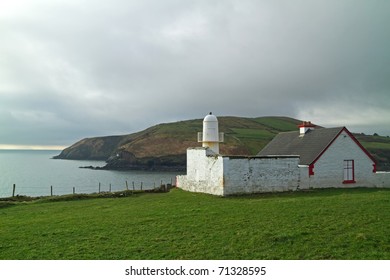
[329, 168]
[260, 174]
[204, 172]
[304, 179]
[211, 173]
[382, 179]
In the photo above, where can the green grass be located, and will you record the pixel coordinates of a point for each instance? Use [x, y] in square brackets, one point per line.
[278, 123]
[321, 224]
[376, 145]
[254, 139]
[253, 133]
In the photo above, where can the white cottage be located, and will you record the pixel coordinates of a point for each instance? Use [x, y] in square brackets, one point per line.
[329, 157]
[309, 158]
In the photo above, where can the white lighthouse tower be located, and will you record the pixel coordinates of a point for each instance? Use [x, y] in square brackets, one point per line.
[210, 137]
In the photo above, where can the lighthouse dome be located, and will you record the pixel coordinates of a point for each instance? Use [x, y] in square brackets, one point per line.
[210, 129]
[210, 118]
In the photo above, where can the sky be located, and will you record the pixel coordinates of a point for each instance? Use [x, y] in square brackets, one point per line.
[71, 69]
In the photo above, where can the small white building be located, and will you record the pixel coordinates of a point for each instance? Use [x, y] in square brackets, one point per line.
[308, 158]
[329, 157]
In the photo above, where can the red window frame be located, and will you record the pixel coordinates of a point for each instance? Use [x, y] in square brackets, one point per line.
[349, 171]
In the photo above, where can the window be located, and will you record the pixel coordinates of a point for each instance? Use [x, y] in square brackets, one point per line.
[349, 172]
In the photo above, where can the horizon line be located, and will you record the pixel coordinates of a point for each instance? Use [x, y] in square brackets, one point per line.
[31, 147]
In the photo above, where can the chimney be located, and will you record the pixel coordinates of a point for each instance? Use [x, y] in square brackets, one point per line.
[305, 127]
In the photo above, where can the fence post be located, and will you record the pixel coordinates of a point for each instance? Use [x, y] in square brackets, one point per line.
[13, 190]
[51, 190]
[127, 186]
[74, 190]
[133, 186]
[99, 187]
[110, 187]
[141, 186]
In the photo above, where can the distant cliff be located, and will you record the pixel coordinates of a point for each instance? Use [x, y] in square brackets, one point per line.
[163, 147]
[97, 148]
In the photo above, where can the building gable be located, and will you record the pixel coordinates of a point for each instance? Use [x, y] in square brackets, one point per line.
[309, 147]
[344, 129]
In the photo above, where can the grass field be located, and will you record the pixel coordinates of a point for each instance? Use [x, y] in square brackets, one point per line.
[321, 224]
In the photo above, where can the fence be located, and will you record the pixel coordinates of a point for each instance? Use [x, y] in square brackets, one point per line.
[100, 188]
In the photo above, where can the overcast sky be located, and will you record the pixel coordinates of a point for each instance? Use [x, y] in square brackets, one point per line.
[71, 69]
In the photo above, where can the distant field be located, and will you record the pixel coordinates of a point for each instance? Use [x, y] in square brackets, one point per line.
[376, 145]
[321, 224]
[278, 123]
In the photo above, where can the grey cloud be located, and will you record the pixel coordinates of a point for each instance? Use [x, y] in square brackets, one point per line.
[79, 69]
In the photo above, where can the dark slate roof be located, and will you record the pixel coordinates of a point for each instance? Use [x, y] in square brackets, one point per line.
[308, 147]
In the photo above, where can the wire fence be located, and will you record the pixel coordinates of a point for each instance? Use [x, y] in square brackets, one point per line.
[52, 190]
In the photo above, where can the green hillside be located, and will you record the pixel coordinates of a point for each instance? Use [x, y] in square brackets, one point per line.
[163, 146]
[320, 224]
[379, 147]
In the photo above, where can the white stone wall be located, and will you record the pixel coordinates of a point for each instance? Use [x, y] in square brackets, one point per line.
[329, 168]
[260, 174]
[382, 179]
[204, 172]
[304, 179]
[218, 175]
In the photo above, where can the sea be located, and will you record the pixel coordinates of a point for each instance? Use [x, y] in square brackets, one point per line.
[34, 173]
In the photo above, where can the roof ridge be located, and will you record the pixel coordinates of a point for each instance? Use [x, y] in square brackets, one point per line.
[309, 146]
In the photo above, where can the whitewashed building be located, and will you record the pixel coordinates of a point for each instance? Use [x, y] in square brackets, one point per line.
[329, 157]
[308, 158]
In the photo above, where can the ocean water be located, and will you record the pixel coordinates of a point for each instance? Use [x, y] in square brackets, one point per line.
[34, 172]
